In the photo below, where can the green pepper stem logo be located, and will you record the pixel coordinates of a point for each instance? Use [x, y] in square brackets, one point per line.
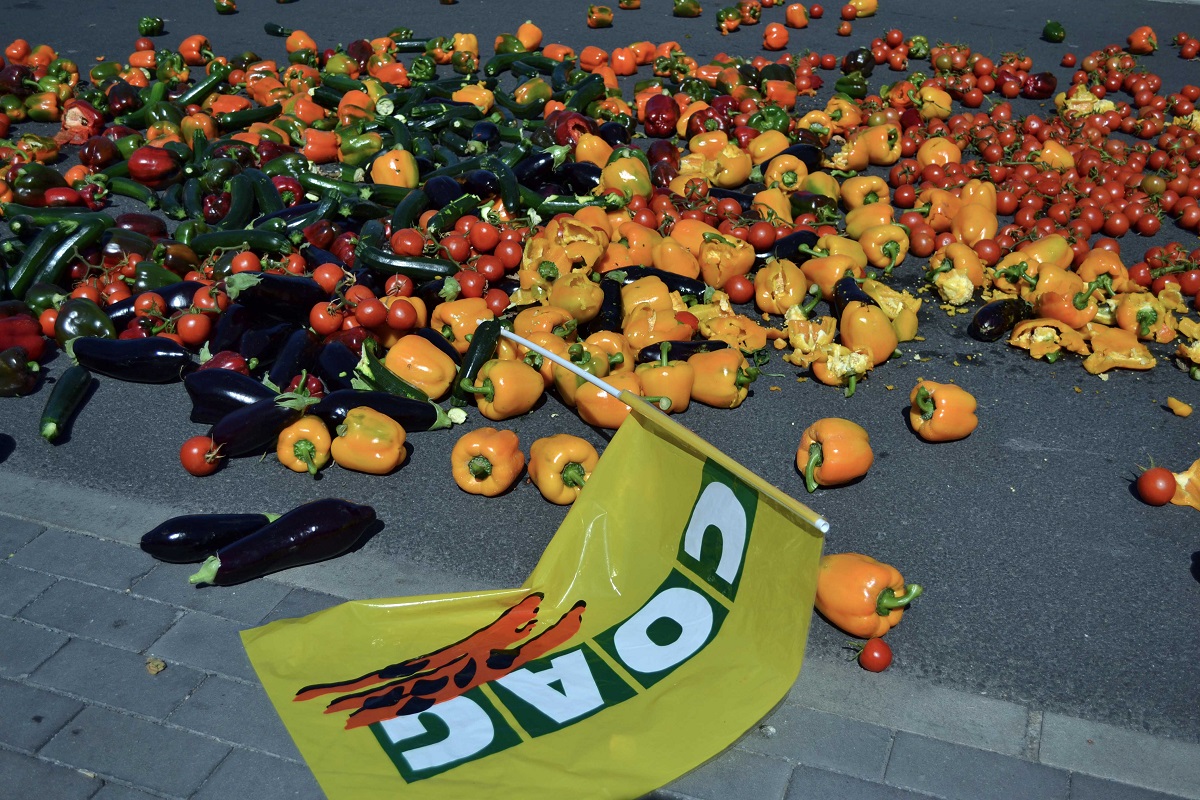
[413, 686]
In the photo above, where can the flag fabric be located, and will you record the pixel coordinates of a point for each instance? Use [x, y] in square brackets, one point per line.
[665, 618]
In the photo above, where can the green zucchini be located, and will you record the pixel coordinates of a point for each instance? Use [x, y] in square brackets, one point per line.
[70, 390]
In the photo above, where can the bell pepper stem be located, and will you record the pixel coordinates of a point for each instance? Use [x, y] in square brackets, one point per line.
[305, 451]
[488, 389]
[663, 403]
[851, 385]
[924, 402]
[573, 475]
[816, 457]
[814, 297]
[888, 600]
[480, 467]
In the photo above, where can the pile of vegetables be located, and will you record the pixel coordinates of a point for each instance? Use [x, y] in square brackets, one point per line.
[332, 239]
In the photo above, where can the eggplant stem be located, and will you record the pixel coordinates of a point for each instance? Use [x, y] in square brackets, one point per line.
[207, 572]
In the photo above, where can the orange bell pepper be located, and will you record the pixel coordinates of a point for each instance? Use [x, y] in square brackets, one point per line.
[486, 461]
[941, 412]
[833, 451]
[862, 596]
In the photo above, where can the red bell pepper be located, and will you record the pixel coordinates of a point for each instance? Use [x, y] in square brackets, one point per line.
[22, 330]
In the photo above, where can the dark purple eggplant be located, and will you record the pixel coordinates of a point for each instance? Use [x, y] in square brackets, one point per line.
[789, 247]
[313, 532]
[254, 428]
[487, 132]
[231, 325]
[192, 538]
[286, 214]
[153, 359]
[315, 257]
[263, 344]
[535, 170]
[413, 415]
[297, 354]
[177, 296]
[811, 154]
[679, 351]
[119, 243]
[846, 290]
[443, 190]
[995, 319]
[580, 177]
[482, 182]
[149, 225]
[335, 365]
[674, 282]
[215, 393]
[611, 311]
[285, 297]
[439, 341]
[613, 133]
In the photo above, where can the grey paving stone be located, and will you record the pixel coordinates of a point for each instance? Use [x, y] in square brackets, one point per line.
[104, 614]
[301, 603]
[822, 740]
[136, 751]
[248, 774]
[85, 558]
[18, 587]
[207, 642]
[810, 783]
[891, 700]
[1085, 787]
[963, 773]
[1121, 755]
[25, 646]
[237, 712]
[115, 791]
[31, 715]
[247, 603]
[25, 777]
[16, 533]
[736, 773]
[116, 677]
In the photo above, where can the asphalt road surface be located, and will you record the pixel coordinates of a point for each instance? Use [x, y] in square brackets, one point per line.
[1047, 581]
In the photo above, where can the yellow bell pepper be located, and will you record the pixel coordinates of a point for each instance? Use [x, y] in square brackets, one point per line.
[506, 389]
[421, 363]
[304, 445]
[559, 466]
[368, 441]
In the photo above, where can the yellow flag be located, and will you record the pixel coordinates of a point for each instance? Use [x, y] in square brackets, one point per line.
[666, 617]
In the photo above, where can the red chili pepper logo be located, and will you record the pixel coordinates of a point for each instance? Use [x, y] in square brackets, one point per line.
[412, 686]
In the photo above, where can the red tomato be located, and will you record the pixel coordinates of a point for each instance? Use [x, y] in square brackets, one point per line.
[1156, 486]
[875, 655]
[496, 300]
[739, 288]
[407, 242]
[401, 315]
[199, 456]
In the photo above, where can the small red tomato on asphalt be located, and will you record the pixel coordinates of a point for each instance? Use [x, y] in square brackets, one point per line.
[875, 655]
[1156, 486]
[199, 456]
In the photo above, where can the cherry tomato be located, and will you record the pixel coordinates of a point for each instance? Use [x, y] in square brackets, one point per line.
[489, 266]
[200, 456]
[1156, 486]
[761, 236]
[875, 656]
[399, 286]
[324, 319]
[401, 315]
[470, 283]
[816, 11]
[496, 300]
[739, 288]
[484, 236]
[371, 312]
[407, 242]
[457, 247]
[194, 329]
[328, 275]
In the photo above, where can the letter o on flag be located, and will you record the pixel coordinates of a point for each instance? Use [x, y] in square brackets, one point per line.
[689, 609]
